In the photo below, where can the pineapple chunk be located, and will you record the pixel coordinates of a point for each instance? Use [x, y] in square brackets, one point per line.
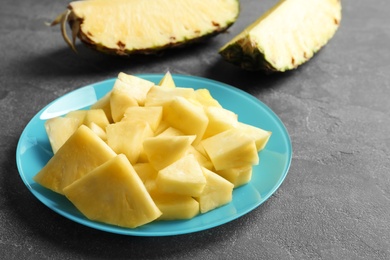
[136, 86]
[59, 129]
[127, 137]
[98, 131]
[147, 174]
[231, 149]
[97, 116]
[162, 96]
[80, 154]
[184, 177]
[104, 103]
[204, 97]
[220, 119]
[151, 115]
[259, 135]
[216, 193]
[175, 207]
[114, 194]
[167, 81]
[120, 100]
[161, 151]
[237, 176]
[77, 114]
[186, 117]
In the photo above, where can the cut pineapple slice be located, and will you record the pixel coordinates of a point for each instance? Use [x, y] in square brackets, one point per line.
[175, 207]
[120, 100]
[216, 193]
[259, 135]
[104, 103]
[98, 131]
[80, 154]
[167, 81]
[127, 137]
[135, 86]
[204, 97]
[116, 26]
[286, 36]
[161, 151]
[59, 129]
[77, 114]
[186, 117]
[97, 116]
[147, 174]
[184, 177]
[237, 176]
[220, 119]
[114, 194]
[231, 149]
[151, 115]
[162, 96]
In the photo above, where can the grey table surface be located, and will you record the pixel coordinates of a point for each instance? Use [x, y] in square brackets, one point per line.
[335, 200]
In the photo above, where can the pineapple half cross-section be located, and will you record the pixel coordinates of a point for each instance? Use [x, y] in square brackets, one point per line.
[124, 27]
[113, 193]
[286, 36]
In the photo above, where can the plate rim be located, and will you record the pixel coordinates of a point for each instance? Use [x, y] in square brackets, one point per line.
[134, 232]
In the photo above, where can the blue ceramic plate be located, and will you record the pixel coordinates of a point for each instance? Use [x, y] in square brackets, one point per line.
[33, 152]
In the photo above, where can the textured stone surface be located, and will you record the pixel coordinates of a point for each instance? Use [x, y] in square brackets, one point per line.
[335, 201]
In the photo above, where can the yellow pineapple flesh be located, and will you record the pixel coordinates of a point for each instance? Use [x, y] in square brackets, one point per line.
[80, 154]
[114, 194]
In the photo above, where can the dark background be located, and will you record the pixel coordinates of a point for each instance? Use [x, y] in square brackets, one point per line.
[335, 201]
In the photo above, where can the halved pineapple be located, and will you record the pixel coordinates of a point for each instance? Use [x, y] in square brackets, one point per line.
[80, 154]
[59, 129]
[125, 27]
[286, 36]
[113, 193]
[184, 177]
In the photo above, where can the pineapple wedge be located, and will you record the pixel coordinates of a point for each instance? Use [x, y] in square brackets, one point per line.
[220, 119]
[216, 193]
[186, 117]
[80, 154]
[114, 194]
[116, 27]
[286, 36]
[127, 137]
[120, 100]
[59, 129]
[184, 177]
[175, 207]
[167, 81]
[151, 115]
[237, 176]
[231, 149]
[104, 103]
[161, 151]
[137, 87]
